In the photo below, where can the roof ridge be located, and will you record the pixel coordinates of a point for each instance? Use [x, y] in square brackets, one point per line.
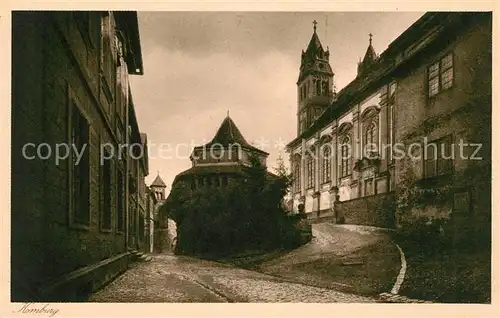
[231, 123]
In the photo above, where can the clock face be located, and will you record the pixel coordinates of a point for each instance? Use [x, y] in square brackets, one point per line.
[321, 65]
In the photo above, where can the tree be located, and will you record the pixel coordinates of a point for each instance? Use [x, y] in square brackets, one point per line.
[247, 214]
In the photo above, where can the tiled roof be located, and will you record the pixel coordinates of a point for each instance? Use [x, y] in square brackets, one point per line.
[314, 44]
[158, 182]
[229, 134]
[370, 55]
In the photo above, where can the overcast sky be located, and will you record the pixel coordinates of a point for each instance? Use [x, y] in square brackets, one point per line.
[199, 65]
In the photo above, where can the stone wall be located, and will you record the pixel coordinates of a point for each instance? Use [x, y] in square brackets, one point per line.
[376, 210]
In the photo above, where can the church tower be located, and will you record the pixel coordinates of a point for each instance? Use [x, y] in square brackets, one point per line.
[158, 188]
[314, 86]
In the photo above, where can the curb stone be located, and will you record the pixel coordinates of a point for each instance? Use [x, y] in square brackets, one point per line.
[395, 298]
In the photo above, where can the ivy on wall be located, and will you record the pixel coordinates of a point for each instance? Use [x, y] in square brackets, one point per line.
[416, 193]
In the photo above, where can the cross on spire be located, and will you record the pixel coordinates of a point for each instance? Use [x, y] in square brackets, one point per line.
[370, 35]
[315, 22]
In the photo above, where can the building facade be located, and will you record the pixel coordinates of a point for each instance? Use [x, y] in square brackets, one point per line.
[72, 211]
[329, 162]
[432, 83]
[150, 221]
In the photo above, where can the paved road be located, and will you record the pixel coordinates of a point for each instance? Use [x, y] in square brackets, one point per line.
[308, 274]
[169, 278]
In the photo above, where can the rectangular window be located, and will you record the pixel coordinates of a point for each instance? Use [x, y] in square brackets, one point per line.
[107, 54]
[141, 226]
[106, 195]
[120, 204]
[391, 131]
[440, 75]
[133, 218]
[80, 169]
[368, 187]
[84, 24]
[438, 157]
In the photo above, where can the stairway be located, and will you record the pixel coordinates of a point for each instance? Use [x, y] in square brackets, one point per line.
[137, 256]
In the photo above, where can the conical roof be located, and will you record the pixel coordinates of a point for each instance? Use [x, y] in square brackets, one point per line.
[158, 182]
[369, 59]
[314, 45]
[370, 55]
[228, 134]
[315, 58]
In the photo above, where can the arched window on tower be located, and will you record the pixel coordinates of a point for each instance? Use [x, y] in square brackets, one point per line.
[318, 87]
[325, 88]
[345, 152]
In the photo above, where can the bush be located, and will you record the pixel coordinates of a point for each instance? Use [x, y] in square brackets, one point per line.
[426, 234]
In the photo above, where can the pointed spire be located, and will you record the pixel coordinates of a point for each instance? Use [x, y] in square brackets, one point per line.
[370, 57]
[314, 57]
[158, 182]
[370, 54]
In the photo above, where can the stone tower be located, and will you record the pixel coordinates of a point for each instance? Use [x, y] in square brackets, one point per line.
[314, 86]
[161, 238]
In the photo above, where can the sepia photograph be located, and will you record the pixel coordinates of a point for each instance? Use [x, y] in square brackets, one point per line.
[250, 157]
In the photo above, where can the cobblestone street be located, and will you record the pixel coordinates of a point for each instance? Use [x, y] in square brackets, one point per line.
[169, 278]
[294, 277]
